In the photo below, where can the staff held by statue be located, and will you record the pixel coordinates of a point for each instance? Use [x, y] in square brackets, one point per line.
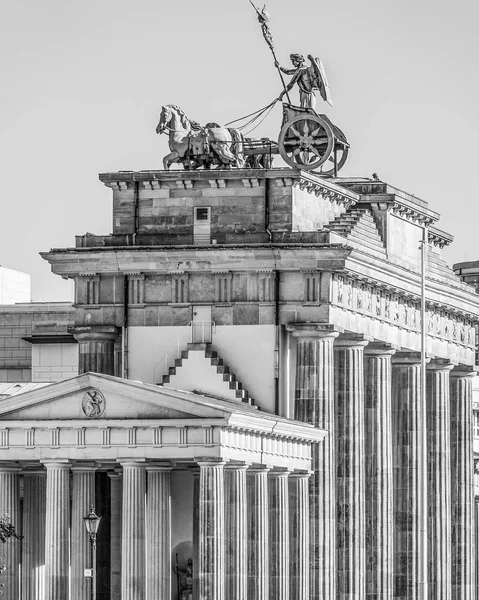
[263, 18]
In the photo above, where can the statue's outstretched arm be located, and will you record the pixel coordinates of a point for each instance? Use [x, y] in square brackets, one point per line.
[289, 86]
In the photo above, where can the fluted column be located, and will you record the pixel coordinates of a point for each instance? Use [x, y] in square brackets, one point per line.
[379, 472]
[462, 480]
[476, 542]
[314, 403]
[33, 531]
[10, 551]
[350, 482]
[409, 435]
[211, 532]
[57, 539]
[196, 531]
[133, 578]
[236, 526]
[299, 536]
[96, 348]
[158, 533]
[116, 492]
[439, 480]
[258, 533]
[278, 534]
[83, 496]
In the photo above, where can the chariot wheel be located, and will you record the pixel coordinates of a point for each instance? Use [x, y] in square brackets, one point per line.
[306, 141]
[342, 152]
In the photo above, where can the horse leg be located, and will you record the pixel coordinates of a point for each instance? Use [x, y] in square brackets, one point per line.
[169, 159]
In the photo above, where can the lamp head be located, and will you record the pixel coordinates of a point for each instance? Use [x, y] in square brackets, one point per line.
[92, 521]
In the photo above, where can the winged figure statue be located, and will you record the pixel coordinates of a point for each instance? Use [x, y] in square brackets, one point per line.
[309, 79]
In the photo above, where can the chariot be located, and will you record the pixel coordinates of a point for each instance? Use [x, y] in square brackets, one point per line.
[311, 141]
[307, 140]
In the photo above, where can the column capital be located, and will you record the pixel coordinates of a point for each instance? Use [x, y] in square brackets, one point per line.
[465, 371]
[380, 349]
[33, 471]
[10, 467]
[236, 466]
[132, 462]
[439, 364]
[350, 340]
[254, 469]
[312, 330]
[83, 467]
[210, 462]
[59, 463]
[279, 472]
[300, 474]
[408, 358]
[159, 467]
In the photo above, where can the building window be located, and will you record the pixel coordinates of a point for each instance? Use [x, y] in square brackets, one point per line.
[223, 287]
[92, 291]
[312, 283]
[180, 289]
[202, 225]
[476, 423]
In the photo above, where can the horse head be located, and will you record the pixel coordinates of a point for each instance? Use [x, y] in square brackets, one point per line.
[172, 117]
[165, 118]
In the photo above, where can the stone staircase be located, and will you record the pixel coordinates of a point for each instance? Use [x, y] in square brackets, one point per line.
[218, 365]
[358, 226]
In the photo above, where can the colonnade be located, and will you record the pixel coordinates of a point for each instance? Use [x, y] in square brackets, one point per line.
[250, 531]
[374, 534]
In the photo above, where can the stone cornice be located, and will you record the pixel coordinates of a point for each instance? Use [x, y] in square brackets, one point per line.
[439, 238]
[151, 180]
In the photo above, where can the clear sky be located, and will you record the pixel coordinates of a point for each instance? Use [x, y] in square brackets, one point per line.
[83, 83]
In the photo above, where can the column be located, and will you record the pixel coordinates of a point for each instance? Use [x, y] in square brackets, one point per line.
[314, 403]
[236, 526]
[350, 481]
[158, 533]
[211, 531]
[33, 531]
[439, 480]
[462, 482]
[10, 551]
[96, 348]
[278, 534]
[299, 535]
[57, 539]
[116, 492]
[408, 439]
[83, 496]
[133, 578]
[258, 533]
[476, 541]
[196, 531]
[379, 471]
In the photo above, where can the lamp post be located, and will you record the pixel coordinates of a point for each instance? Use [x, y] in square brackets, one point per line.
[92, 523]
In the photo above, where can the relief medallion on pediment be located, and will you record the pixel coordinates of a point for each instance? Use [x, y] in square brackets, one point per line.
[93, 404]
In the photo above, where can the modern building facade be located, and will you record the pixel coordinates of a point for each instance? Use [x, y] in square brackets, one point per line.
[250, 396]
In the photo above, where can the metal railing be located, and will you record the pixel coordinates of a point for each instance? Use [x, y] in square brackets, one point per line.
[202, 331]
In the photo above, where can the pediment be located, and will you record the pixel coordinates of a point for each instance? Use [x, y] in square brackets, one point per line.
[92, 396]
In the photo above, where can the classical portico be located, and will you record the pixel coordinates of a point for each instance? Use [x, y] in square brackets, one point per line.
[154, 444]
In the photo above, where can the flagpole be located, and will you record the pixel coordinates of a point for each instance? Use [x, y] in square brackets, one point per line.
[268, 38]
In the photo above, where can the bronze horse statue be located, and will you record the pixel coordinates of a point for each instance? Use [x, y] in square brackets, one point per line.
[195, 146]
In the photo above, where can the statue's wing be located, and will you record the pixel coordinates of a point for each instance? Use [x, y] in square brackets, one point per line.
[319, 77]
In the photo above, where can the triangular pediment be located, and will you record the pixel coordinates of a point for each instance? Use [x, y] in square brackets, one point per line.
[92, 396]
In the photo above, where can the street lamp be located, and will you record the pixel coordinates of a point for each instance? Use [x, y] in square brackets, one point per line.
[92, 523]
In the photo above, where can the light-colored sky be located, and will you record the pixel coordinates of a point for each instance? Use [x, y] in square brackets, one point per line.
[83, 83]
